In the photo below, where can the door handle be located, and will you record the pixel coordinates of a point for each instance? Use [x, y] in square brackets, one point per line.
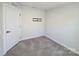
[8, 31]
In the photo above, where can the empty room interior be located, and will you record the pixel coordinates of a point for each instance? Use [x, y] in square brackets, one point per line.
[39, 28]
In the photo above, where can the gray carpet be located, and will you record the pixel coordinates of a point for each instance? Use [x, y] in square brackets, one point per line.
[41, 46]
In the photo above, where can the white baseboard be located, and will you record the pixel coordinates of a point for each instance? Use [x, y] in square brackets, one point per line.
[25, 37]
[77, 52]
[5, 51]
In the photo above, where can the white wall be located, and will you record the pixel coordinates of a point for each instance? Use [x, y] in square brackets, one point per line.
[28, 29]
[1, 34]
[32, 29]
[63, 25]
[12, 23]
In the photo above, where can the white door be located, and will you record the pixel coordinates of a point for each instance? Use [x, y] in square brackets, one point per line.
[12, 26]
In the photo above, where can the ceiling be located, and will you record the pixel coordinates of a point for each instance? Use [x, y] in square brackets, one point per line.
[43, 5]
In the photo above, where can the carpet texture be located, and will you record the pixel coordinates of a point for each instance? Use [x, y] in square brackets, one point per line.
[41, 46]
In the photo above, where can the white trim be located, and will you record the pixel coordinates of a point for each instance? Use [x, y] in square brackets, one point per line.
[77, 52]
[25, 37]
